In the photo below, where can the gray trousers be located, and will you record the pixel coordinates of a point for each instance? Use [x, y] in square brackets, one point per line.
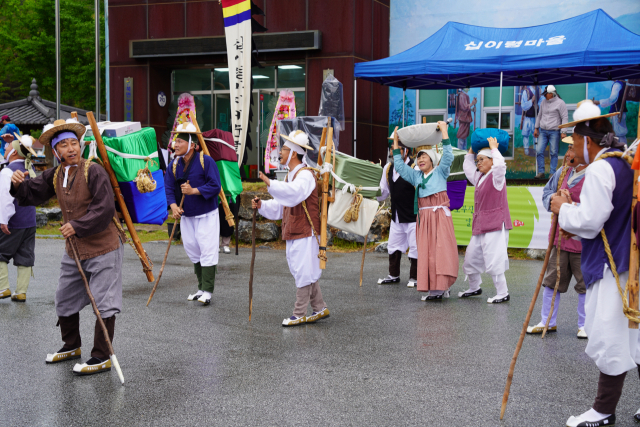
[104, 274]
[304, 296]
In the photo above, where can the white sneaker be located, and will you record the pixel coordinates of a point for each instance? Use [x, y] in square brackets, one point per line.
[582, 334]
[226, 250]
[195, 296]
[412, 283]
[581, 421]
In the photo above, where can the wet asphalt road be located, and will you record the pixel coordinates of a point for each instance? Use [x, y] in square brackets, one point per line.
[382, 358]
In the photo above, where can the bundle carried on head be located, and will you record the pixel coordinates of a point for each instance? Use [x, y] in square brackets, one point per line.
[479, 139]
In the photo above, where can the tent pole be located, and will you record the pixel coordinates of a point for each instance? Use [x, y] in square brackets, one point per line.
[403, 101]
[355, 109]
[58, 91]
[500, 104]
[97, 24]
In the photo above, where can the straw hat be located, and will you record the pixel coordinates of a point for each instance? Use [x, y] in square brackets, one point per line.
[586, 111]
[568, 139]
[26, 141]
[71, 125]
[299, 138]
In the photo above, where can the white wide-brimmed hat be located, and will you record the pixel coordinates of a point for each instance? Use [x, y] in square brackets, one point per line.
[186, 128]
[26, 141]
[298, 138]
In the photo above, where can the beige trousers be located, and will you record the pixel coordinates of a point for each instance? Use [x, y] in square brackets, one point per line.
[304, 296]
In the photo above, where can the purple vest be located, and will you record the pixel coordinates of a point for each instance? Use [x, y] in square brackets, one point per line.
[617, 228]
[25, 216]
[570, 245]
[491, 209]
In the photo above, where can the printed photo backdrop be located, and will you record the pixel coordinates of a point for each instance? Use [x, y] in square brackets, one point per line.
[531, 221]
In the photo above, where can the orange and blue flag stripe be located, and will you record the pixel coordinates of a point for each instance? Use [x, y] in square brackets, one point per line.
[235, 11]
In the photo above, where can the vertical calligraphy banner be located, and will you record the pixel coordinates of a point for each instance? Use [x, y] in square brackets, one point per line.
[237, 28]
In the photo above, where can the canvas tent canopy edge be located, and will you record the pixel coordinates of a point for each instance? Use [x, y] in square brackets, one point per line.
[586, 48]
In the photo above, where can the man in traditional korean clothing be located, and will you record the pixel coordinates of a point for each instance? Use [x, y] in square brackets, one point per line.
[402, 231]
[17, 223]
[85, 195]
[570, 249]
[605, 205]
[195, 177]
[295, 201]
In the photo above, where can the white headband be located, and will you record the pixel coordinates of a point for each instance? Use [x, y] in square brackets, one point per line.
[486, 152]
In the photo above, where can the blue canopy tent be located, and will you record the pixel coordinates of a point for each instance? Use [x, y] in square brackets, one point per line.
[587, 48]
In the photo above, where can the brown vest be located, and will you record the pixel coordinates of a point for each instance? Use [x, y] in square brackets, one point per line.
[74, 201]
[295, 224]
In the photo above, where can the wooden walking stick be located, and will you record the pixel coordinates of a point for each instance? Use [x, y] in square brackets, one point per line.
[325, 195]
[225, 205]
[253, 260]
[237, 232]
[364, 251]
[555, 289]
[507, 387]
[144, 259]
[164, 261]
[112, 355]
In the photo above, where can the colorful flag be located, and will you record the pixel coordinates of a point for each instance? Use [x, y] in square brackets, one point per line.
[237, 28]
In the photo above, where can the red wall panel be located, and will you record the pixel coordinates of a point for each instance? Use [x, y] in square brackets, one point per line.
[363, 38]
[204, 19]
[335, 19]
[139, 75]
[380, 31]
[125, 23]
[290, 16]
[166, 20]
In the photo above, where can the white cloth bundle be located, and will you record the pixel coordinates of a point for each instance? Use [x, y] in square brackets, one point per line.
[337, 209]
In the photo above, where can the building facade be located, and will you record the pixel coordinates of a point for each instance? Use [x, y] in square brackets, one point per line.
[167, 47]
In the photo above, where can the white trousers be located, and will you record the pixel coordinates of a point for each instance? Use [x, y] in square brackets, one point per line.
[401, 237]
[487, 253]
[612, 345]
[201, 238]
[304, 264]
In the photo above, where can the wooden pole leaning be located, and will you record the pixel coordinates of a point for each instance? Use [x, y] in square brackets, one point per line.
[507, 387]
[364, 251]
[325, 196]
[146, 265]
[166, 254]
[253, 260]
[112, 355]
[225, 205]
[634, 257]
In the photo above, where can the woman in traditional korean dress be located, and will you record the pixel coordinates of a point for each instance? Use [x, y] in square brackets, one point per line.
[437, 247]
[487, 250]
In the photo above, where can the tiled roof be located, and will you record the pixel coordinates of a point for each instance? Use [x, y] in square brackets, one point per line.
[35, 111]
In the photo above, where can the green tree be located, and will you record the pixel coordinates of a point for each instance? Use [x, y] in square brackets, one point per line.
[27, 50]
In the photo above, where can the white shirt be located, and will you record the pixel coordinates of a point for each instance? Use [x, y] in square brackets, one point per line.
[288, 194]
[587, 219]
[7, 208]
[498, 170]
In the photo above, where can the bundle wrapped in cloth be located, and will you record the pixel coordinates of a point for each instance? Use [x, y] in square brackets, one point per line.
[134, 160]
[357, 183]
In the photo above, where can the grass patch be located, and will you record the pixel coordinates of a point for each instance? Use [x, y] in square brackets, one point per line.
[254, 186]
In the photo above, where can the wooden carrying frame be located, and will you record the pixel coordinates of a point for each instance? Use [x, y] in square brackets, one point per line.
[146, 265]
[225, 205]
[325, 140]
